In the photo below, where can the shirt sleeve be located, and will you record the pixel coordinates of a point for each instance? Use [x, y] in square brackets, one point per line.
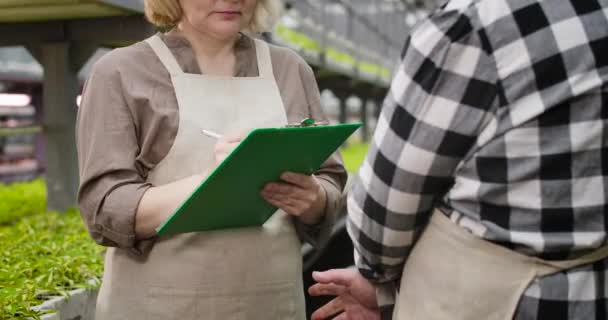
[111, 184]
[332, 175]
[442, 95]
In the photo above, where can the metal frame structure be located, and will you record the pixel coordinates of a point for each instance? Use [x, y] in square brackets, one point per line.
[62, 47]
[101, 31]
[352, 45]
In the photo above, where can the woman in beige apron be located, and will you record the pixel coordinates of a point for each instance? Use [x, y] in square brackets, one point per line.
[252, 273]
[238, 271]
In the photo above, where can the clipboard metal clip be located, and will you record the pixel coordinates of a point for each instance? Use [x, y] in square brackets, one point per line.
[307, 122]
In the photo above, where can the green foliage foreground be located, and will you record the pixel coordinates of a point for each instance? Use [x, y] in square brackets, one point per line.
[43, 254]
[21, 199]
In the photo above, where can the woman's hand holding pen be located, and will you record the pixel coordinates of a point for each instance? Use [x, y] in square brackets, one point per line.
[159, 202]
[225, 144]
[300, 195]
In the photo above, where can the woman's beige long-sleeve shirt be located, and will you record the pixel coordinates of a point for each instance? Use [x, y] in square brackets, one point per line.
[128, 121]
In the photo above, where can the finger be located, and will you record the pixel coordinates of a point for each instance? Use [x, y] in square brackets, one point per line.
[274, 200]
[326, 289]
[331, 308]
[370, 314]
[298, 179]
[359, 312]
[293, 206]
[291, 210]
[291, 190]
[342, 316]
[282, 199]
[343, 277]
[293, 195]
[225, 146]
[280, 188]
[297, 206]
[235, 137]
[296, 195]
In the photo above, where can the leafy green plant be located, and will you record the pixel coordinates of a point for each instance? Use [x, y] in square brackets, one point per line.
[353, 156]
[44, 255]
[19, 131]
[21, 199]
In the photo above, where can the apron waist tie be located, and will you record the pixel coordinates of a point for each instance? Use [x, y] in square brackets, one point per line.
[453, 274]
[545, 267]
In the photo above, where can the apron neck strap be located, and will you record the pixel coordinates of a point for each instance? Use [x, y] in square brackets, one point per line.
[263, 55]
[168, 59]
[164, 54]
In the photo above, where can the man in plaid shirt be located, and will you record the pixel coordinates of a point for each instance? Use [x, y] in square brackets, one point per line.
[496, 119]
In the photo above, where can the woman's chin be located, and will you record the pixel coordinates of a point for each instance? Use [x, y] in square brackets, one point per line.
[226, 29]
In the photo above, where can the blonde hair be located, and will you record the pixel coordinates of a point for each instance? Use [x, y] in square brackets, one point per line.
[167, 13]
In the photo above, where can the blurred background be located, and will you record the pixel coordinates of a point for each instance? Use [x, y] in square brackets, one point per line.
[352, 45]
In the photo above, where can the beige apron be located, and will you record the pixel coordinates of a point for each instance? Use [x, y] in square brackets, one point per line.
[452, 274]
[252, 273]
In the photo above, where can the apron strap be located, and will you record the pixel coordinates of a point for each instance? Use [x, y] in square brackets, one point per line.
[164, 54]
[547, 267]
[264, 63]
[542, 267]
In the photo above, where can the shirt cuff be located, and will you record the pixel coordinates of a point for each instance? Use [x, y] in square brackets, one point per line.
[386, 296]
[114, 222]
[141, 248]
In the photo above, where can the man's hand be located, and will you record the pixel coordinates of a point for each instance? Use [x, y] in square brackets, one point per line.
[355, 295]
[300, 196]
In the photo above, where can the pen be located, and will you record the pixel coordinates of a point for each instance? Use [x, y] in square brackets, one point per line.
[211, 134]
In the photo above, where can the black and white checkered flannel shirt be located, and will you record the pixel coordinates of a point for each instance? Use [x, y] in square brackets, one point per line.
[498, 115]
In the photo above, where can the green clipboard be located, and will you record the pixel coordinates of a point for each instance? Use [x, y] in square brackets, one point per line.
[230, 196]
